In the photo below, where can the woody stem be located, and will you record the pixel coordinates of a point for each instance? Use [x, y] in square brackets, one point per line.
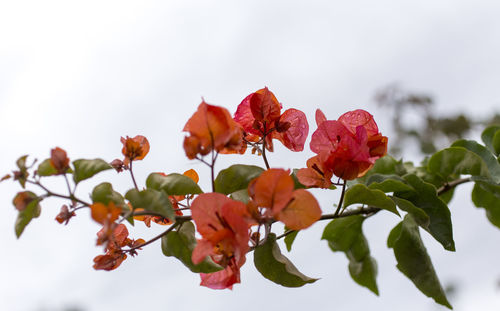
[341, 199]
[159, 236]
[264, 147]
[132, 175]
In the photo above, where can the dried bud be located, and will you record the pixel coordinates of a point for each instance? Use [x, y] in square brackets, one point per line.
[64, 215]
[118, 165]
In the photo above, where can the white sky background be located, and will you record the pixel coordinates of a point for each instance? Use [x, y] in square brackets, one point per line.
[79, 75]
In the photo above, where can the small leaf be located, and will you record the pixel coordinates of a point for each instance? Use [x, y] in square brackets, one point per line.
[418, 214]
[488, 196]
[457, 161]
[276, 267]
[413, 260]
[31, 210]
[425, 197]
[240, 195]
[236, 177]
[151, 201]
[46, 169]
[296, 182]
[345, 234]
[180, 244]
[173, 184]
[290, 238]
[85, 169]
[485, 154]
[363, 195]
[491, 138]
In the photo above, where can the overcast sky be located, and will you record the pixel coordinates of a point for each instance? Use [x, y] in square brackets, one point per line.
[80, 74]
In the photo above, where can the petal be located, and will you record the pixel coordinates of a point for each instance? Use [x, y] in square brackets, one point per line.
[273, 189]
[301, 212]
[296, 134]
[221, 279]
[320, 117]
[202, 249]
[353, 119]
[264, 106]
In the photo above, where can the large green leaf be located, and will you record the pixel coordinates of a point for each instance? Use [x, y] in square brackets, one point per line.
[85, 169]
[484, 153]
[151, 201]
[32, 210]
[425, 197]
[384, 166]
[413, 260]
[345, 234]
[418, 214]
[46, 168]
[458, 161]
[491, 138]
[363, 195]
[387, 183]
[488, 196]
[104, 193]
[276, 267]
[181, 243]
[173, 184]
[290, 238]
[236, 177]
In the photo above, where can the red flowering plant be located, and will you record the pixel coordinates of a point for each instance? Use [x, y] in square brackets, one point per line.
[213, 231]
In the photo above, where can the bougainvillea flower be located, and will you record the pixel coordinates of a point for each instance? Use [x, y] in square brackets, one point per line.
[273, 194]
[222, 223]
[260, 116]
[212, 128]
[59, 160]
[348, 147]
[134, 148]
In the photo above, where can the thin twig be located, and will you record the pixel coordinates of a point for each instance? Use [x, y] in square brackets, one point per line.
[132, 175]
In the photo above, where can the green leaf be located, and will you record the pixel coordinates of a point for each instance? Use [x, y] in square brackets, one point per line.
[418, 214]
[240, 195]
[151, 201]
[485, 154]
[487, 196]
[387, 183]
[25, 216]
[173, 184]
[181, 243]
[425, 197]
[296, 182]
[276, 267]
[363, 195]
[491, 138]
[413, 260]
[290, 238]
[85, 169]
[345, 234]
[46, 169]
[385, 166]
[236, 177]
[23, 170]
[104, 193]
[457, 161]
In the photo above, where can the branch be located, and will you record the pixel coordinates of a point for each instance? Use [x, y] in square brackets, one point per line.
[448, 186]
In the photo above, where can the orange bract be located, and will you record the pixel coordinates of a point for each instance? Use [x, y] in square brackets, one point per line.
[134, 148]
[222, 223]
[59, 160]
[105, 213]
[274, 191]
[212, 128]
